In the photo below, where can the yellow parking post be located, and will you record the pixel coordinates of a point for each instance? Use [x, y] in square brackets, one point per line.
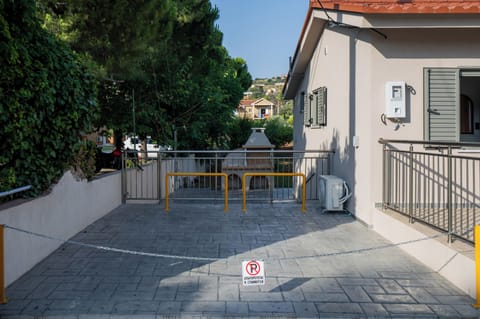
[3, 297]
[476, 234]
[244, 188]
[225, 206]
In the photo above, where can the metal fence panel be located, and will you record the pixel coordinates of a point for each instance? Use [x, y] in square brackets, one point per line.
[146, 181]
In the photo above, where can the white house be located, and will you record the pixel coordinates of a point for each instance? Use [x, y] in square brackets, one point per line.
[397, 70]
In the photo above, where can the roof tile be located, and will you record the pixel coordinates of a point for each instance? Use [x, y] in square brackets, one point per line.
[399, 6]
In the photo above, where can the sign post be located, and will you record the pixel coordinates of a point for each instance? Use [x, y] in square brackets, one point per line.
[253, 272]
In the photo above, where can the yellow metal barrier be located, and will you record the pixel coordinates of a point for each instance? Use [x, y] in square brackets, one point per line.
[225, 207]
[3, 297]
[476, 234]
[244, 187]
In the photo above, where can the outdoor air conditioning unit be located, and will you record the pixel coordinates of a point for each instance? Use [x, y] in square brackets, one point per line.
[333, 192]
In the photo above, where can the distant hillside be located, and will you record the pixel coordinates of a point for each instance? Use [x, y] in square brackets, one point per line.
[271, 90]
[267, 87]
[275, 79]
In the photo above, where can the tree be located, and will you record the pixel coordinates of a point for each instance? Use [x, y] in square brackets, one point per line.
[208, 84]
[168, 59]
[238, 131]
[278, 131]
[286, 109]
[47, 100]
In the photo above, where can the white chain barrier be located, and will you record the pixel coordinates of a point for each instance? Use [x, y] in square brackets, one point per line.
[117, 250]
[193, 258]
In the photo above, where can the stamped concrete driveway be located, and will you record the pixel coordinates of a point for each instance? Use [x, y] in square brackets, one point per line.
[310, 269]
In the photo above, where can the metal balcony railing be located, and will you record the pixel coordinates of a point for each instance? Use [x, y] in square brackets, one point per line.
[437, 183]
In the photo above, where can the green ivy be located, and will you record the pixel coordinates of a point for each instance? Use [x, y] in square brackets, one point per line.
[47, 99]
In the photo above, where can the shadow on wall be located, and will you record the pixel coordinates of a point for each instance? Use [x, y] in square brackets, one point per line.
[343, 164]
[428, 43]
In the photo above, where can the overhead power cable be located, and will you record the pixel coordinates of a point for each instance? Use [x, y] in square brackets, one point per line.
[346, 25]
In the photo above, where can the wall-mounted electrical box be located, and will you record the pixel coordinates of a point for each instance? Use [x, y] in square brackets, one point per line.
[395, 99]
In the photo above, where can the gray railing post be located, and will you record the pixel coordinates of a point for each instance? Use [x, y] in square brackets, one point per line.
[384, 176]
[216, 171]
[388, 164]
[123, 177]
[272, 178]
[450, 195]
[159, 177]
[410, 185]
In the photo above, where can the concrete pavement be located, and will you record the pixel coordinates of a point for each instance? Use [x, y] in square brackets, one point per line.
[307, 272]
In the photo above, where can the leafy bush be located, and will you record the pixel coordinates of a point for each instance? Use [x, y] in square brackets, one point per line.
[83, 162]
[47, 99]
[278, 131]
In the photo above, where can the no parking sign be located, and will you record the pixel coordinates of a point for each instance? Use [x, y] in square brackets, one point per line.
[253, 272]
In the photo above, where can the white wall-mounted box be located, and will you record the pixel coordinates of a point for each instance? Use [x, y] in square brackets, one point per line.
[395, 99]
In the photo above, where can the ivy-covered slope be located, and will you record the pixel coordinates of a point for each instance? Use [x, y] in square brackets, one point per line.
[47, 98]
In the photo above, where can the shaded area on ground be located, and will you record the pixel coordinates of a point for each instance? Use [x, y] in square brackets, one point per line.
[300, 280]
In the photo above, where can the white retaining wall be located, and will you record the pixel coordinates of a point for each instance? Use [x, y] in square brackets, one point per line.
[436, 254]
[70, 207]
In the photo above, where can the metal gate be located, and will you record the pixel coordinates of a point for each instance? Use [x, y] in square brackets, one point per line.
[144, 175]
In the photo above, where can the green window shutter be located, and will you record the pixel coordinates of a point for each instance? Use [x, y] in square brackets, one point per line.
[307, 114]
[442, 104]
[314, 108]
[320, 118]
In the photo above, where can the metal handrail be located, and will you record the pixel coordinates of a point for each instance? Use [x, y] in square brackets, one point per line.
[196, 174]
[15, 190]
[429, 143]
[439, 189]
[237, 151]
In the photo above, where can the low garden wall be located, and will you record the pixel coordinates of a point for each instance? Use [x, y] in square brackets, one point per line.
[71, 206]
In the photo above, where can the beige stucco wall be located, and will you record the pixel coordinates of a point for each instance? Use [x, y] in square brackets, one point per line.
[354, 65]
[403, 56]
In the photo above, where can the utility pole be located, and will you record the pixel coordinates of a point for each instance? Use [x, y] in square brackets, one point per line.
[133, 118]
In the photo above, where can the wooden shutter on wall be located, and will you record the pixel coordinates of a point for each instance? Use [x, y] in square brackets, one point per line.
[320, 117]
[307, 110]
[441, 104]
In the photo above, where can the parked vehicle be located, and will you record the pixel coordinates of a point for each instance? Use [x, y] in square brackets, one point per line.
[152, 147]
[108, 156]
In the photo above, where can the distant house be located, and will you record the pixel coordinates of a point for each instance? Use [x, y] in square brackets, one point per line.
[255, 109]
[365, 70]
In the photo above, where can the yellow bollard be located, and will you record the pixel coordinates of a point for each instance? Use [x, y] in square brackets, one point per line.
[244, 193]
[3, 297]
[476, 234]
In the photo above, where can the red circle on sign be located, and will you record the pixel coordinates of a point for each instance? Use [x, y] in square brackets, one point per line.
[252, 268]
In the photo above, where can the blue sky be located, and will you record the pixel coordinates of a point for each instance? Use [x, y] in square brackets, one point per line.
[263, 32]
